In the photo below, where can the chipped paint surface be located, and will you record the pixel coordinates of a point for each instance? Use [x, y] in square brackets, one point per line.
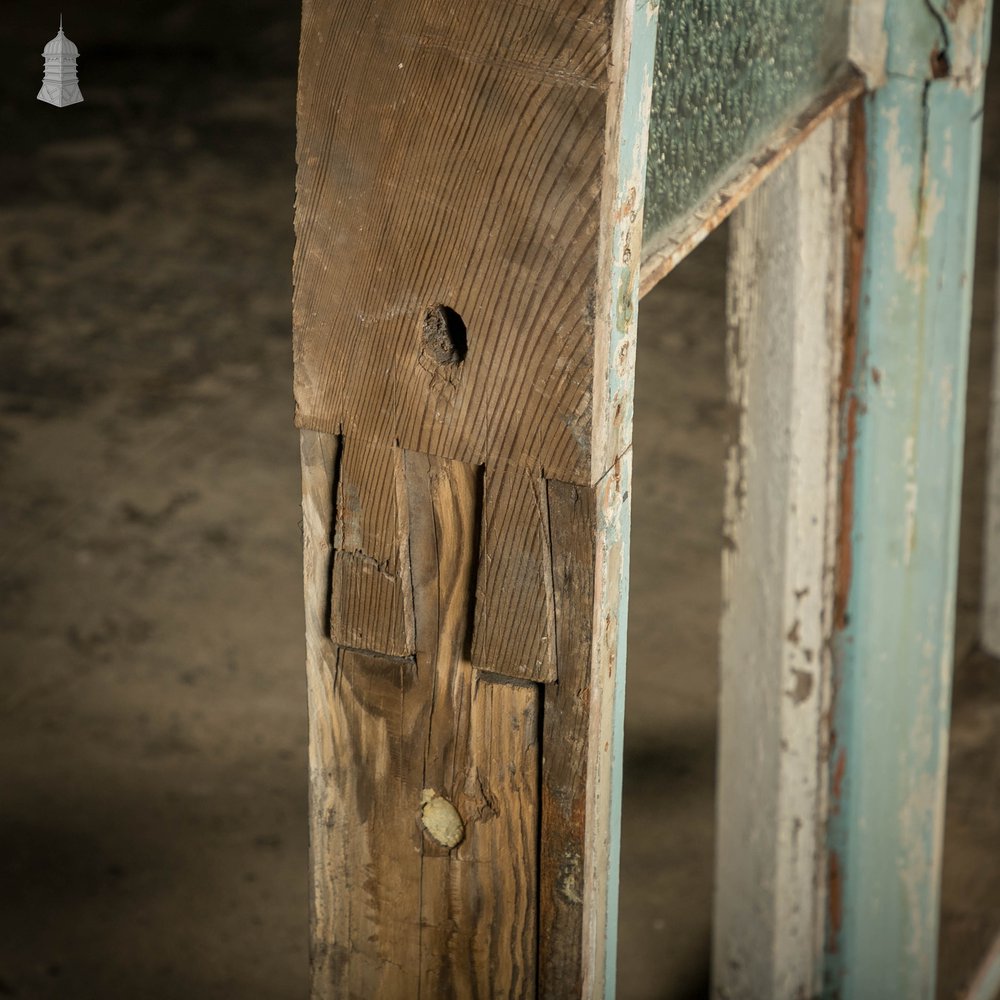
[930, 39]
[604, 770]
[784, 296]
[614, 377]
[868, 41]
[902, 165]
[621, 242]
[893, 647]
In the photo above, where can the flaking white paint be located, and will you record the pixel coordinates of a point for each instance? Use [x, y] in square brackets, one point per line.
[785, 289]
[868, 42]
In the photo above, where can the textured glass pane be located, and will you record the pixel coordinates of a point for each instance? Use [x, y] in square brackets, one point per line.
[727, 73]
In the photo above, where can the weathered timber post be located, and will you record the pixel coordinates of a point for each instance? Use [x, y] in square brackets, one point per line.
[916, 150]
[788, 249]
[469, 234]
[849, 301]
[468, 223]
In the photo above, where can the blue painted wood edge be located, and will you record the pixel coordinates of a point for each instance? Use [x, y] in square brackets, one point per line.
[633, 132]
[893, 657]
[615, 377]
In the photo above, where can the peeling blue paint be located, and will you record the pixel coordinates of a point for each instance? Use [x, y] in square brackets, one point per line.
[919, 29]
[614, 391]
[894, 656]
[616, 432]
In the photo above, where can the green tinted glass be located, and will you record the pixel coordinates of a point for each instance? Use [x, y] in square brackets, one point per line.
[727, 73]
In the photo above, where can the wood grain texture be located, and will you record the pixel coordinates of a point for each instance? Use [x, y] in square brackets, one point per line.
[370, 586]
[479, 903]
[397, 911]
[319, 455]
[451, 160]
[606, 730]
[785, 292]
[498, 870]
[564, 758]
[319, 458]
[369, 837]
[362, 854]
[514, 630]
[468, 217]
[479, 752]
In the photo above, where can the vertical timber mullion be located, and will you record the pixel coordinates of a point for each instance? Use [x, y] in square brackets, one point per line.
[785, 290]
[468, 236]
[903, 426]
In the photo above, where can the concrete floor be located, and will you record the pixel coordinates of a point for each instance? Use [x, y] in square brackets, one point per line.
[152, 710]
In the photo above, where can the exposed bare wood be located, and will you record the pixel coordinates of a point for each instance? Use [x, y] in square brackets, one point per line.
[499, 872]
[564, 760]
[319, 457]
[466, 279]
[662, 252]
[370, 840]
[369, 571]
[442, 499]
[515, 626]
[606, 729]
[479, 905]
[355, 714]
[319, 454]
[479, 753]
[425, 771]
[451, 161]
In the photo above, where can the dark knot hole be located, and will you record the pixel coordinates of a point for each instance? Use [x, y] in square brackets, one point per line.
[445, 335]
